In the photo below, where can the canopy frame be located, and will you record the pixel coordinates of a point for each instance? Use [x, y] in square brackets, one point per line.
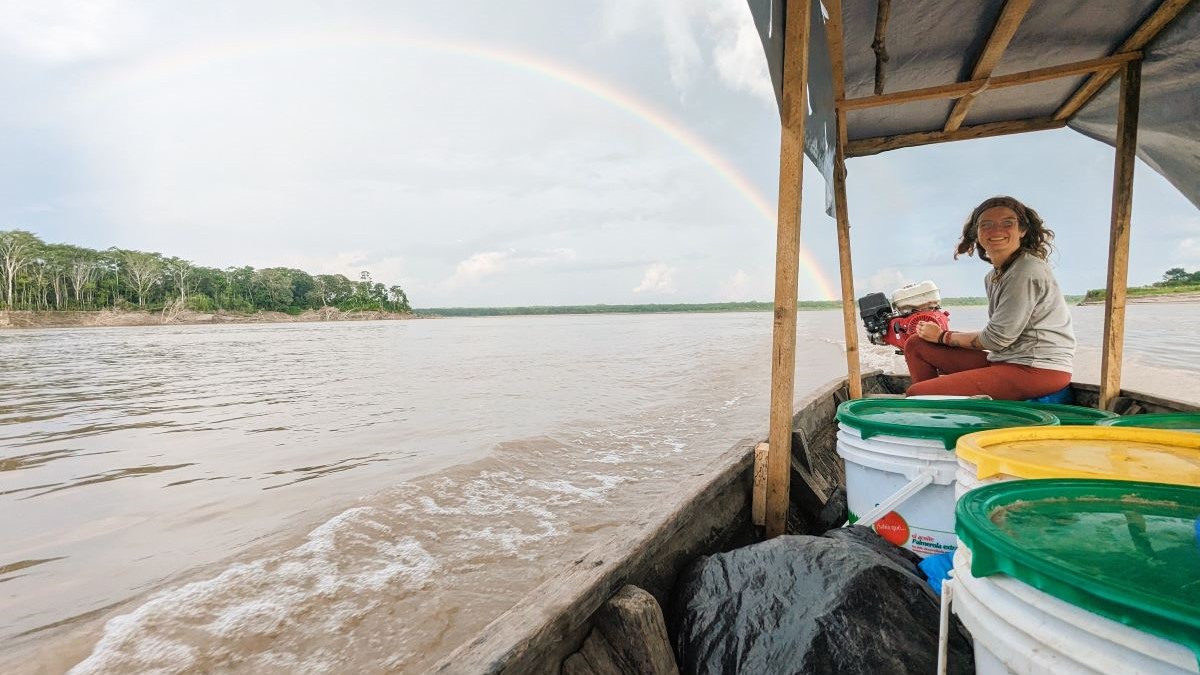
[1124, 61]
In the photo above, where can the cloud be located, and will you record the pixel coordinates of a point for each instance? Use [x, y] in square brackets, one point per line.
[64, 31]
[739, 287]
[475, 269]
[729, 32]
[737, 54]
[883, 281]
[657, 280]
[672, 21]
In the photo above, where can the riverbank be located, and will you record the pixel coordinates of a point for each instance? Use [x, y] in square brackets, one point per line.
[1148, 299]
[120, 317]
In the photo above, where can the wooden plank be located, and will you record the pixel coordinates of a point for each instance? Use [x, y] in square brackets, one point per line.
[846, 268]
[879, 45]
[758, 504]
[1146, 32]
[599, 654]
[633, 624]
[837, 62]
[787, 258]
[871, 146]
[1002, 33]
[1118, 238]
[1000, 82]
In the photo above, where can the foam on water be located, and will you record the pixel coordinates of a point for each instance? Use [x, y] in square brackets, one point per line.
[387, 583]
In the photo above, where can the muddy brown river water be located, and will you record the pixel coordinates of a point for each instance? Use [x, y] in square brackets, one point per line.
[362, 497]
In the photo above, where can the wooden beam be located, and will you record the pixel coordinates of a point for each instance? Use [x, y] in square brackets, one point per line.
[879, 45]
[959, 89]
[833, 33]
[837, 59]
[1118, 238]
[871, 146]
[787, 258]
[849, 316]
[1002, 33]
[1151, 27]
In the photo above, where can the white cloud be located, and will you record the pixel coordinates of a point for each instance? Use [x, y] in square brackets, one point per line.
[883, 281]
[657, 280]
[669, 20]
[737, 55]
[62, 31]
[473, 270]
[740, 287]
[727, 25]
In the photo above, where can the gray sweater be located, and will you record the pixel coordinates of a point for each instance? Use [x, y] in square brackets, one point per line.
[1029, 323]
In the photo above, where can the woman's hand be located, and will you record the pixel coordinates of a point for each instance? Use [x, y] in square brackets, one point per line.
[929, 331]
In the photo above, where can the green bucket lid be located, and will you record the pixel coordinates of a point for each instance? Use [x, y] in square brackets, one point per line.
[1176, 421]
[1073, 414]
[1126, 551]
[938, 420]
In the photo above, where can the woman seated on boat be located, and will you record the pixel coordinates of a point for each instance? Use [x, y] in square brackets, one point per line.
[1027, 348]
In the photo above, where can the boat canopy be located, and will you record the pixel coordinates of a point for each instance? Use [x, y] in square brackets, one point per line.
[927, 71]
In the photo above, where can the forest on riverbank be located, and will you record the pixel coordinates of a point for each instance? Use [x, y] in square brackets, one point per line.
[37, 276]
[1175, 281]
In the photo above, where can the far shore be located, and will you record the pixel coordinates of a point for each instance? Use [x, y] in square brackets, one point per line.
[1151, 299]
[120, 317]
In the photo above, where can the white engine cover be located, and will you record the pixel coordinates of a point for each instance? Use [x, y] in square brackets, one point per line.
[916, 296]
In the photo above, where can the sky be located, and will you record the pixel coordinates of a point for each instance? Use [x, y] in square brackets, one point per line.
[496, 154]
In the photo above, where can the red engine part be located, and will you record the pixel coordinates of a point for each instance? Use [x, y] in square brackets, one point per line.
[903, 327]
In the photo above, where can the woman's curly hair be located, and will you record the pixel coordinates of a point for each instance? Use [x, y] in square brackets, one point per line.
[1036, 239]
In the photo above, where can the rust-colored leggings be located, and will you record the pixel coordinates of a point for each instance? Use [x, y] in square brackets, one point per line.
[939, 369]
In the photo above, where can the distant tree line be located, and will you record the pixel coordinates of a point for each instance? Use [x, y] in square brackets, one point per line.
[35, 275]
[803, 305]
[1177, 276]
[1174, 280]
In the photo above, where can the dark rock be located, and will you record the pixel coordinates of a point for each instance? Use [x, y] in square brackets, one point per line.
[834, 513]
[848, 603]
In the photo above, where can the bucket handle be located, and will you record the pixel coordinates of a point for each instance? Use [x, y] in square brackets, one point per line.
[944, 625]
[925, 477]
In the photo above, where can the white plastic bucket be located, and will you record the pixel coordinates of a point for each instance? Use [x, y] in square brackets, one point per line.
[966, 478]
[882, 466]
[1019, 630]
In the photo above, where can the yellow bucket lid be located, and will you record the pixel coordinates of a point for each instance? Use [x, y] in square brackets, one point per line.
[1115, 453]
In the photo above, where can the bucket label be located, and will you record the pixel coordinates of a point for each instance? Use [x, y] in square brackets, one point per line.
[893, 529]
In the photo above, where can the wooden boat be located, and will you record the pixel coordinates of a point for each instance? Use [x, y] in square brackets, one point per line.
[823, 78]
[713, 512]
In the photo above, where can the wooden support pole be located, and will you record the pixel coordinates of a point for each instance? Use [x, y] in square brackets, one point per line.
[833, 33]
[787, 259]
[1118, 238]
[849, 316]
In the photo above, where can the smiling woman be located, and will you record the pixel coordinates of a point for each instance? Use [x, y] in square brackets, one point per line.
[1027, 348]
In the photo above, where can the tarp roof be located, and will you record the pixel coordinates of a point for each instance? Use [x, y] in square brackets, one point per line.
[938, 42]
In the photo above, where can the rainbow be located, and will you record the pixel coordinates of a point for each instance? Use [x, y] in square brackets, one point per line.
[186, 60]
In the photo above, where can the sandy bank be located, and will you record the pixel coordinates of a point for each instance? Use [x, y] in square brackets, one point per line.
[107, 318]
[1151, 299]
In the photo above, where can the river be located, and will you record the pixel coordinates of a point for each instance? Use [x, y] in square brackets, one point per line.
[361, 497]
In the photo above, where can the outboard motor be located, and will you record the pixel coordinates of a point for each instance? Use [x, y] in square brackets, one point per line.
[893, 322]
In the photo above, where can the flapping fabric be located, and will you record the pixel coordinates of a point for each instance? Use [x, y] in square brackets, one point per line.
[937, 42]
[819, 129]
